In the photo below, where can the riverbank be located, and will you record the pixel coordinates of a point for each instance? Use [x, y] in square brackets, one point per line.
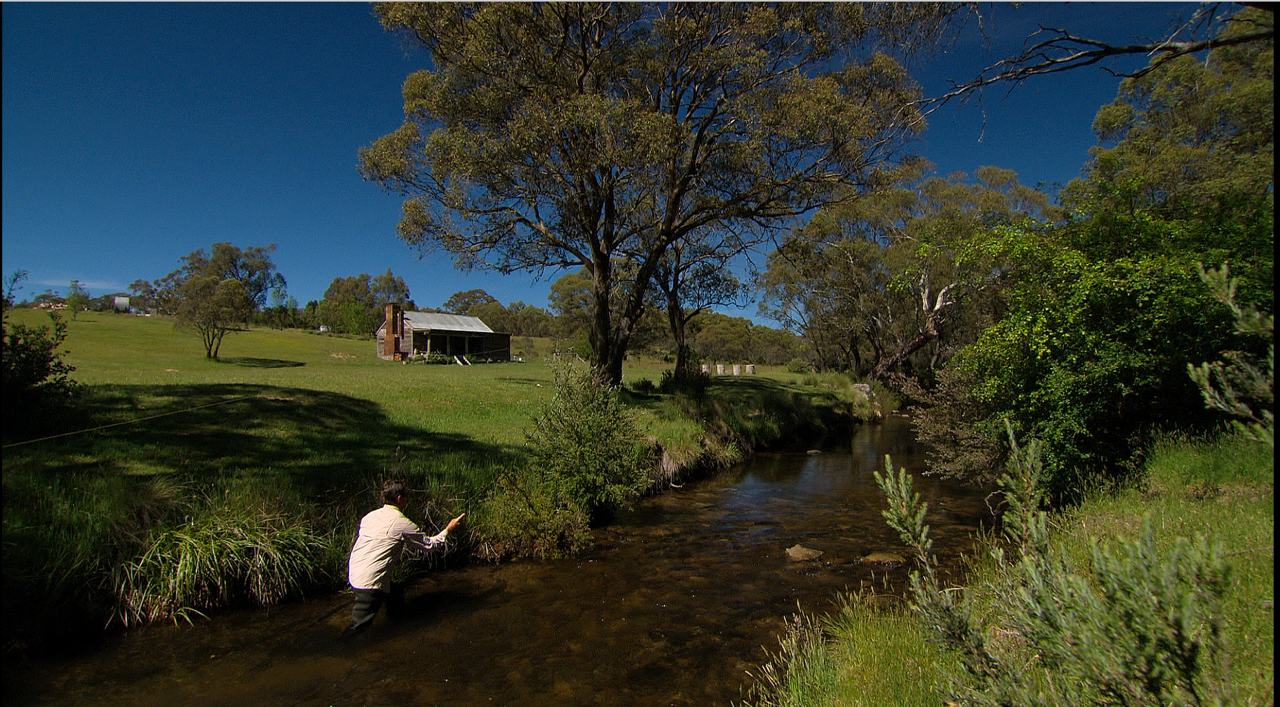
[673, 604]
[1221, 489]
[276, 451]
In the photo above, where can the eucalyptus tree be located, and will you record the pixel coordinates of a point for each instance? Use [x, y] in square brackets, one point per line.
[389, 288]
[213, 308]
[692, 277]
[1050, 50]
[597, 135]
[251, 267]
[934, 233]
[462, 302]
[833, 292]
[874, 280]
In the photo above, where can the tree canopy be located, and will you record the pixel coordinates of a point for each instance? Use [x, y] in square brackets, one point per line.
[357, 305]
[213, 308]
[874, 280]
[596, 135]
[251, 267]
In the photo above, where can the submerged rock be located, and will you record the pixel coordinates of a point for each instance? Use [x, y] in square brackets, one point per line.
[797, 553]
[885, 558]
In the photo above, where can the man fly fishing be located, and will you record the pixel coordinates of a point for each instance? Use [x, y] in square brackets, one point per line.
[382, 532]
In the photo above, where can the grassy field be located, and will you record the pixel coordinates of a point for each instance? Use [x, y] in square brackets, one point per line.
[168, 459]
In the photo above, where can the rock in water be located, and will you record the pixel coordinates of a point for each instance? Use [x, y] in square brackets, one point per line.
[885, 558]
[796, 553]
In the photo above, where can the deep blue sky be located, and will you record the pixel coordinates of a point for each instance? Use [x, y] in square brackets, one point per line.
[134, 134]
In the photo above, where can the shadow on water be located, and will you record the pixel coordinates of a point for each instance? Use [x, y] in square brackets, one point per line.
[677, 600]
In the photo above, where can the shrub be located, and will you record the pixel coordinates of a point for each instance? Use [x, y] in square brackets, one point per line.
[35, 377]
[584, 440]
[799, 365]
[693, 383]
[644, 386]
[1139, 629]
[529, 514]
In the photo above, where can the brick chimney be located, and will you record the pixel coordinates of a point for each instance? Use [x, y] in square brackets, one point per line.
[394, 332]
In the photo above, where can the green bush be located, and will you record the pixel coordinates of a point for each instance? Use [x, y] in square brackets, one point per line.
[644, 386]
[693, 383]
[36, 378]
[528, 514]
[1138, 628]
[586, 442]
[799, 365]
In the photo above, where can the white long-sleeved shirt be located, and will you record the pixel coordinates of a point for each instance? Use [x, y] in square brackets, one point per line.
[381, 533]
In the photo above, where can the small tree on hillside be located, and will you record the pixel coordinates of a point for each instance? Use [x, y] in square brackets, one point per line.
[77, 298]
[213, 309]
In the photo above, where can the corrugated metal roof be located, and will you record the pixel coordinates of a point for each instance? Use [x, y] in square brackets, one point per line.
[435, 321]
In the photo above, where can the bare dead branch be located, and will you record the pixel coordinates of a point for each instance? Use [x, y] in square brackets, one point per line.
[1063, 51]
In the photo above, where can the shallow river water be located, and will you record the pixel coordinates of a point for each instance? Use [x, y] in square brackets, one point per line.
[678, 599]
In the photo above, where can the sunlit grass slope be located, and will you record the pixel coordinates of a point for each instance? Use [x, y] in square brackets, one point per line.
[146, 358]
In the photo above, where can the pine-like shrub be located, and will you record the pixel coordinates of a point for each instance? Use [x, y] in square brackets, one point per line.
[1136, 628]
[586, 442]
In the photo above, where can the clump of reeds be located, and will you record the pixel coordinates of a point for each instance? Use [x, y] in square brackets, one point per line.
[214, 560]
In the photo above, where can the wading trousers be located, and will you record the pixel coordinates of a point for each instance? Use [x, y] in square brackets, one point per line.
[368, 601]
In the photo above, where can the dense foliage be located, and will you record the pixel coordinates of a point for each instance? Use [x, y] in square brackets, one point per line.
[357, 305]
[1104, 312]
[894, 281]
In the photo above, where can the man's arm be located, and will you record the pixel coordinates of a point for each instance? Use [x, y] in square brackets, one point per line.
[416, 537]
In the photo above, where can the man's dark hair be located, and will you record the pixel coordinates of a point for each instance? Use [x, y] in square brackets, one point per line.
[391, 490]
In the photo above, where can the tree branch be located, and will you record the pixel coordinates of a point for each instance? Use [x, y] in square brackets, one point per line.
[1064, 51]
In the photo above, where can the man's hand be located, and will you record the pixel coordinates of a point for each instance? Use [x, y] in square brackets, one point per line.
[454, 523]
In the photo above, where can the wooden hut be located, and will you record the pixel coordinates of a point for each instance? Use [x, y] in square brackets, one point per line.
[467, 339]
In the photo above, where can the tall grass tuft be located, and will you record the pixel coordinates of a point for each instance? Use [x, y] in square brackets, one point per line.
[1179, 460]
[215, 560]
[865, 654]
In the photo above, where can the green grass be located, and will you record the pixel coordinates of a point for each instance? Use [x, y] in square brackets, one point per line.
[1225, 490]
[1220, 488]
[869, 652]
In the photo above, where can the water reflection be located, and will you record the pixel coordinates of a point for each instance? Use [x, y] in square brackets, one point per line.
[677, 600]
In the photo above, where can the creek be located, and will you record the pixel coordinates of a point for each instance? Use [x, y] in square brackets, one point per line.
[677, 600]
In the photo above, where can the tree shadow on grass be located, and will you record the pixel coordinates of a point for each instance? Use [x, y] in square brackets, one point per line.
[319, 440]
[262, 362]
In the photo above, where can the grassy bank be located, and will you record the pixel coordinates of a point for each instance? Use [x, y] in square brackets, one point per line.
[1221, 489]
[178, 484]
